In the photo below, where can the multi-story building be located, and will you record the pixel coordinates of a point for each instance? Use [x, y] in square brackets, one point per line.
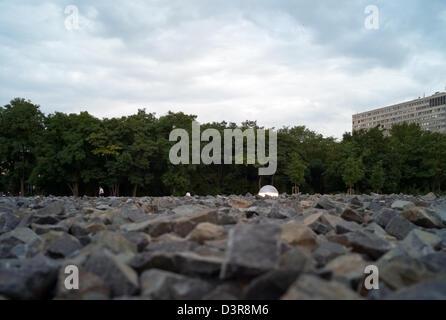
[428, 112]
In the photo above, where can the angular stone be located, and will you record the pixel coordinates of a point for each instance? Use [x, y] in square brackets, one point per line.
[309, 287]
[279, 211]
[63, 247]
[423, 217]
[8, 222]
[325, 203]
[384, 216]
[140, 239]
[402, 271]
[327, 251]
[28, 279]
[352, 215]
[297, 234]
[252, 250]
[19, 243]
[184, 220]
[271, 285]
[434, 289]
[399, 227]
[347, 226]
[239, 203]
[296, 259]
[349, 267]
[120, 278]
[193, 264]
[365, 242]
[435, 262]
[419, 243]
[401, 204]
[114, 242]
[206, 231]
[53, 209]
[163, 285]
[95, 227]
[45, 228]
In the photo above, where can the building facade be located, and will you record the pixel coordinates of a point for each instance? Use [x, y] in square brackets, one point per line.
[428, 112]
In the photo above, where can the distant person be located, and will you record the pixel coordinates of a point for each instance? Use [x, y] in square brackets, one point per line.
[101, 192]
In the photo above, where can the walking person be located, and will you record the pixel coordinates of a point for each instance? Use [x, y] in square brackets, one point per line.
[101, 192]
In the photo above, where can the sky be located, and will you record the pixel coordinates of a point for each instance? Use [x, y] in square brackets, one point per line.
[280, 62]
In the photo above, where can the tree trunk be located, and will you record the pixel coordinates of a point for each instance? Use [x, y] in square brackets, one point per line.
[22, 186]
[74, 189]
[134, 190]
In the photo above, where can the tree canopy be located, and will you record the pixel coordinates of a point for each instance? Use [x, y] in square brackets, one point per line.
[74, 154]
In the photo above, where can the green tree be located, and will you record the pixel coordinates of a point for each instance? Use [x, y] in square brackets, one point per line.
[296, 171]
[377, 178]
[21, 125]
[353, 173]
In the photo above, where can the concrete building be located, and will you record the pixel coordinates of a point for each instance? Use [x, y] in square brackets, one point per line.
[428, 112]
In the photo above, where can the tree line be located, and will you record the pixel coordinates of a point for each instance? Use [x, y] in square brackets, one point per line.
[73, 154]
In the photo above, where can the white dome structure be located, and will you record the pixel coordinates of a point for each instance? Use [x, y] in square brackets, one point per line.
[268, 191]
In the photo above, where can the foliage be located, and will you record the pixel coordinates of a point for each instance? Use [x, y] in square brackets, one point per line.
[64, 154]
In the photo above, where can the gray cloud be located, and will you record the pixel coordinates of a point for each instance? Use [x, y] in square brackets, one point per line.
[280, 62]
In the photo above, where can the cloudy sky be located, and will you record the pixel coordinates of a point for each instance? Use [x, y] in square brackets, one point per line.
[281, 62]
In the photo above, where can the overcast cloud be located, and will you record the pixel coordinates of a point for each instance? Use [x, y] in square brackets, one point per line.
[281, 62]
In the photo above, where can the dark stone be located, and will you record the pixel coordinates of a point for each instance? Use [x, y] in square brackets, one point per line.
[434, 289]
[399, 227]
[8, 222]
[140, 240]
[271, 285]
[367, 243]
[28, 279]
[351, 215]
[252, 250]
[63, 247]
[120, 278]
[163, 285]
[384, 216]
[327, 251]
[347, 226]
[325, 203]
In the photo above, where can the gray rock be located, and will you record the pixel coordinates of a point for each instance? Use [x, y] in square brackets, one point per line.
[423, 217]
[271, 285]
[327, 251]
[162, 285]
[434, 289]
[367, 243]
[347, 226]
[309, 287]
[120, 278]
[401, 204]
[384, 216]
[252, 250]
[351, 215]
[399, 227]
[19, 243]
[419, 243]
[325, 203]
[8, 221]
[28, 279]
[63, 247]
[53, 209]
